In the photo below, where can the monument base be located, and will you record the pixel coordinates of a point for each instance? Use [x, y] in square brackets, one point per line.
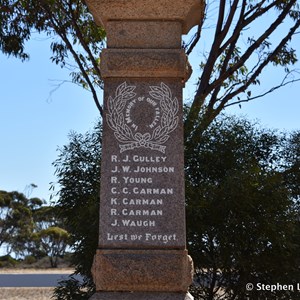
[142, 270]
[141, 296]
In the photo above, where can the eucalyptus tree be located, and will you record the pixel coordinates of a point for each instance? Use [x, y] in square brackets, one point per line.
[77, 191]
[242, 200]
[238, 39]
[16, 221]
[76, 41]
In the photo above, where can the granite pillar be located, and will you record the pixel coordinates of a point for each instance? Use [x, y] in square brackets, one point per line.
[142, 245]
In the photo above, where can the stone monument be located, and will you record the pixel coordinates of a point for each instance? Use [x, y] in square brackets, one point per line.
[142, 245]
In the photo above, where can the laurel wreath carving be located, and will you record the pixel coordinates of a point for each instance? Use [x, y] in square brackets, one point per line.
[160, 134]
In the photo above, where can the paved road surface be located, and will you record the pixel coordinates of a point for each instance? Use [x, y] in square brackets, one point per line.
[32, 280]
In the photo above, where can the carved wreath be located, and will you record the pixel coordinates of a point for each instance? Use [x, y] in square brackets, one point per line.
[160, 134]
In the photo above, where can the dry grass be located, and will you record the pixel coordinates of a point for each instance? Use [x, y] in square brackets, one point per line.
[26, 293]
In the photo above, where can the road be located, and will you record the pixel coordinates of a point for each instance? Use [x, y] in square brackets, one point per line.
[32, 280]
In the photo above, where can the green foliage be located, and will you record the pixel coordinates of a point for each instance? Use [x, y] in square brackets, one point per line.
[56, 18]
[47, 216]
[54, 241]
[7, 261]
[30, 229]
[29, 260]
[292, 170]
[248, 36]
[241, 182]
[67, 23]
[78, 172]
[243, 38]
[242, 221]
[72, 289]
[16, 220]
[241, 198]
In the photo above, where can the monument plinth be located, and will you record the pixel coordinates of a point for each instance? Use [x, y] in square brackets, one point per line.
[142, 244]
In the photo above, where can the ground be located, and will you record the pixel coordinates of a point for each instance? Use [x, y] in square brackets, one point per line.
[26, 293]
[29, 293]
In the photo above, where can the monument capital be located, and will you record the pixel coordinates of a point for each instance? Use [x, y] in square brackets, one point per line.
[186, 12]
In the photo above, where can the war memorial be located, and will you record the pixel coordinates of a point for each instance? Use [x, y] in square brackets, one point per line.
[142, 244]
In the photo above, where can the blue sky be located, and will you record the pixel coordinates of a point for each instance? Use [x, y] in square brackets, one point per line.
[34, 123]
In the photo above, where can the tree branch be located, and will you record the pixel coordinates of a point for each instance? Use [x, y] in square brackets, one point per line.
[82, 41]
[58, 29]
[208, 68]
[232, 12]
[282, 84]
[261, 66]
[190, 47]
[209, 112]
[252, 48]
[232, 47]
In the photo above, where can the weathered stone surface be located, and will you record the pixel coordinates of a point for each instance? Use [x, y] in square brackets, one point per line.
[142, 270]
[186, 12]
[142, 184]
[141, 35]
[142, 241]
[141, 296]
[147, 63]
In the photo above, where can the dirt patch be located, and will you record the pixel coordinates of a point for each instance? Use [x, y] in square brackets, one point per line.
[36, 271]
[26, 293]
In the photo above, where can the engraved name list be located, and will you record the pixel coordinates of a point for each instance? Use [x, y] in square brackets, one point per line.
[139, 201]
[139, 206]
